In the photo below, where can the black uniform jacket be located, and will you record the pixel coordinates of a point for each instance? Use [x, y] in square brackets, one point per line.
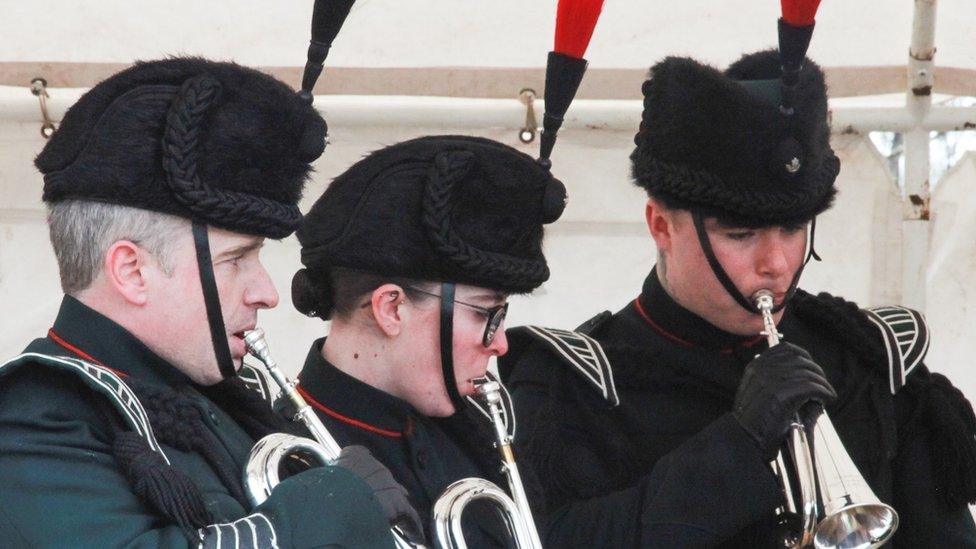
[672, 466]
[418, 450]
[61, 484]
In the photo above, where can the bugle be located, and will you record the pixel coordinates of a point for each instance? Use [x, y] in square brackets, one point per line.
[515, 509]
[828, 482]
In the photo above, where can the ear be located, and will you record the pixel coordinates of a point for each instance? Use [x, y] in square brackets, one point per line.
[660, 223]
[124, 268]
[385, 302]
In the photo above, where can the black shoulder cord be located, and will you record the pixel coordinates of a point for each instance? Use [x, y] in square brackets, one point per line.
[727, 283]
[215, 317]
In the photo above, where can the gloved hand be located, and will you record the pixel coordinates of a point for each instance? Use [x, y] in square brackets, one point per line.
[318, 507]
[388, 492]
[777, 385]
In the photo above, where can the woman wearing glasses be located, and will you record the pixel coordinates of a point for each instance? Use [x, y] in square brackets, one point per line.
[412, 253]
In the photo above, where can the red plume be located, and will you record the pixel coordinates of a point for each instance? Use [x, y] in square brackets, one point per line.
[799, 13]
[575, 21]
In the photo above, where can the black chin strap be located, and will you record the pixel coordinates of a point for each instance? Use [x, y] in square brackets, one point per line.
[727, 283]
[215, 317]
[447, 344]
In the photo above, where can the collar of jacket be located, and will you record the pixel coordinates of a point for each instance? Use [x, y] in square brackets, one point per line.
[665, 316]
[90, 335]
[349, 400]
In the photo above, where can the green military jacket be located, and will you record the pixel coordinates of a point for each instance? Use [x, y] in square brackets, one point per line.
[61, 485]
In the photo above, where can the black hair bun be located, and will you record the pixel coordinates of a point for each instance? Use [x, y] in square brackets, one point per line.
[309, 297]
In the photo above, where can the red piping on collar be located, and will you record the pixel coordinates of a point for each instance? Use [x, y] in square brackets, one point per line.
[726, 351]
[348, 420]
[658, 329]
[61, 341]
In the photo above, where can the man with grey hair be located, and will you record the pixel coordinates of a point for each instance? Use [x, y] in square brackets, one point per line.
[81, 232]
[131, 422]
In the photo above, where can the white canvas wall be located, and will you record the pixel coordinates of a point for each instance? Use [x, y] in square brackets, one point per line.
[500, 33]
[952, 276]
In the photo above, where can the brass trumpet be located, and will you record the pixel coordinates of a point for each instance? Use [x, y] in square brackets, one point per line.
[829, 484]
[262, 473]
[515, 509]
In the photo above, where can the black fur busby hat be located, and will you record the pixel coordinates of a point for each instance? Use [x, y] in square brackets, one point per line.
[441, 208]
[720, 144]
[214, 142]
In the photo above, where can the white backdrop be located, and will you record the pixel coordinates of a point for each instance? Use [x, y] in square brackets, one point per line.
[499, 33]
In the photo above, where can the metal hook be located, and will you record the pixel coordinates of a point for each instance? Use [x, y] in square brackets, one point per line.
[38, 87]
[527, 133]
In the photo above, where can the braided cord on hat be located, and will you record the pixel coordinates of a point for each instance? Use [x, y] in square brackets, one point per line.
[705, 188]
[230, 209]
[449, 169]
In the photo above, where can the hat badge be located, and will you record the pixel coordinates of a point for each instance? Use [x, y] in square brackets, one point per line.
[793, 165]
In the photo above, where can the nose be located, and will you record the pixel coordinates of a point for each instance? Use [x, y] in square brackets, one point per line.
[773, 261]
[499, 345]
[261, 293]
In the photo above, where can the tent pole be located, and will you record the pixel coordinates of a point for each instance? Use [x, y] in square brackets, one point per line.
[916, 228]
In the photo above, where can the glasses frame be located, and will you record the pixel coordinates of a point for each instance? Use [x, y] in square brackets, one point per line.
[496, 315]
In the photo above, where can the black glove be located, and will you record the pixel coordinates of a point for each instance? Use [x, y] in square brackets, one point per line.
[391, 496]
[318, 507]
[775, 387]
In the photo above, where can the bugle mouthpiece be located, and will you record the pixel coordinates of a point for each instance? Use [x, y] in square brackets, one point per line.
[487, 389]
[256, 344]
[763, 300]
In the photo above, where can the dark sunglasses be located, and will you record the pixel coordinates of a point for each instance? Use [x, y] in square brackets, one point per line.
[495, 315]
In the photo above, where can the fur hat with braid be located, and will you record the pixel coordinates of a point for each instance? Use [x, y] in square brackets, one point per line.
[720, 143]
[217, 143]
[441, 208]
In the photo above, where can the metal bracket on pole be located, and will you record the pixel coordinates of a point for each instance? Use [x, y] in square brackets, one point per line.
[528, 131]
[38, 87]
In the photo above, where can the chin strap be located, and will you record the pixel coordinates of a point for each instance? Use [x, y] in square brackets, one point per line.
[215, 317]
[447, 344]
[727, 283]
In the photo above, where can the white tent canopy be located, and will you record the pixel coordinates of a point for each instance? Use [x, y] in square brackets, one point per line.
[467, 33]
[74, 44]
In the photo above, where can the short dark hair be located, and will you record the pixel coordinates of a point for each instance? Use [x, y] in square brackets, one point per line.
[349, 286]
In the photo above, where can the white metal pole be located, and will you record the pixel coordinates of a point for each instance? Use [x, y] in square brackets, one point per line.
[18, 105]
[915, 194]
